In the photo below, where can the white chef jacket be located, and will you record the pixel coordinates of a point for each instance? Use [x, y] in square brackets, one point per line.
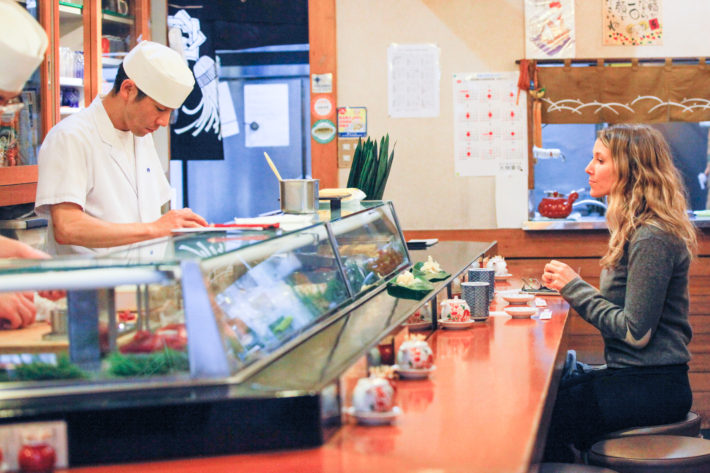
[82, 161]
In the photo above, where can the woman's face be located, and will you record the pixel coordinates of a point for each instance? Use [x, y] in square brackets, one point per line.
[601, 170]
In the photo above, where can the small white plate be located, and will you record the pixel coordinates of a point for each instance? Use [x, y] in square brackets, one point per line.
[520, 311]
[503, 277]
[374, 418]
[456, 325]
[413, 373]
[418, 325]
[518, 298]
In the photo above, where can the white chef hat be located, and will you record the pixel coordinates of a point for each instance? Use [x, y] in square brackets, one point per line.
[22, 45]
[160, 72]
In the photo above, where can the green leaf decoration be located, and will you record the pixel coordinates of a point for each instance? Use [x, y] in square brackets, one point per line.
[371, 167]
[415, 290]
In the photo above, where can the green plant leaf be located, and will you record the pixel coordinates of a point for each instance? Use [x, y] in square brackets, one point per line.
[356, 164]
[371, 166]
[381, 170]
[387, 174]
[365, 176]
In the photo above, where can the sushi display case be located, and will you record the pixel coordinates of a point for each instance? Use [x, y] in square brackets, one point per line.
[203, 343]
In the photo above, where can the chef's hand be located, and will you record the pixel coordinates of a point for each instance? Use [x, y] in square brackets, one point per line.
[10, 248]
[557, 275]
[17, 310]
[180, 218]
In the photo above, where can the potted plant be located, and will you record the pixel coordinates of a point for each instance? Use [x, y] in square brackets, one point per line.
[371, 167]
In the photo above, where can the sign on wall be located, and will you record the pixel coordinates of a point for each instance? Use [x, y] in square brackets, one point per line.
[413, 80]
[490, 128]
[632, 22]
[549, 29]
[352, 122]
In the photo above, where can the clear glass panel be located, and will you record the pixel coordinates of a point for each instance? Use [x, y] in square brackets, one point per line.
[71, 57]
[371, 246]
[117, 37]
[267, 294]
[20, 132]
[135, 332]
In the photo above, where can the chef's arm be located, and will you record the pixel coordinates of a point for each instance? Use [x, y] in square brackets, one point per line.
[72, 226]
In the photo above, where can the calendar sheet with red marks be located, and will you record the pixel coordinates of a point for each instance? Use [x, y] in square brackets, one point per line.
[490, 124]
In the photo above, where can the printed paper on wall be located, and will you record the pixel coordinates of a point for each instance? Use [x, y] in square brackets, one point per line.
[413, 80]
[549, 29]
[632, 22]
[490, 127]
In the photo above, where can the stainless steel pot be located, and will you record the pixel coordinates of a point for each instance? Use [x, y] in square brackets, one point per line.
[299, 196]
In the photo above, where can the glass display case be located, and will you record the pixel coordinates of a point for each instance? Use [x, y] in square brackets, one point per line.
[188, 323]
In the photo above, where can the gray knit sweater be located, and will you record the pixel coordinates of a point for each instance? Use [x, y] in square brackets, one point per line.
[641, 308]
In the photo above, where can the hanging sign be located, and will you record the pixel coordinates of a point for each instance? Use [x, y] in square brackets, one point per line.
[323, 131]
[352, 122]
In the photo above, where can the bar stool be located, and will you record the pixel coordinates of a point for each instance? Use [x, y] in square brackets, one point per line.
[572, 468]
[688, 427]
[652, 454]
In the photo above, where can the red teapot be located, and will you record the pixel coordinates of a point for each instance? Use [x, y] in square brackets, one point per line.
[556, 205]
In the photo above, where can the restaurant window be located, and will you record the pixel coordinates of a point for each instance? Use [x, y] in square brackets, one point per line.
[582, 96]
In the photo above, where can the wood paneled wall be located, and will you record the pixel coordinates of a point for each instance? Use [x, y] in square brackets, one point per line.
[527, 253]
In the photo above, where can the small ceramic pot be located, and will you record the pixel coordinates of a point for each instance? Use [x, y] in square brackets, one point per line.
[373, 394]
[415, 354]
[455, 310]
[36, 457]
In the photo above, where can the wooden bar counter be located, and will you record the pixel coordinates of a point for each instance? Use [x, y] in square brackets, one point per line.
[484, 409]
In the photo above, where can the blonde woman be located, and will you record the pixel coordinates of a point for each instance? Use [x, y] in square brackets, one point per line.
[641, 308]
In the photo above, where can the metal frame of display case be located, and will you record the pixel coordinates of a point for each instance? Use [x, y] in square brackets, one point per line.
[289, 399]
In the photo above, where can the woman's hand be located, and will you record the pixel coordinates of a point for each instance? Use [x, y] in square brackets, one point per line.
[557, 275]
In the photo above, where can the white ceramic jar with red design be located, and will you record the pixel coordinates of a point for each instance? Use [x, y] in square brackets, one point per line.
[373, 394]
[455, 310]
[415, 354]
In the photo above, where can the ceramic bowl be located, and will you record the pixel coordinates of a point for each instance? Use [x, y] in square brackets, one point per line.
[518, 298]
[520, 311]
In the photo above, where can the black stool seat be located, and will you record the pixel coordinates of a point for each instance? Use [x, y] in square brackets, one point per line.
[652, 454]
[572, 468]
[688, 427]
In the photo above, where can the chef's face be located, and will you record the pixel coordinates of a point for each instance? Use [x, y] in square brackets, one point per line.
[144, 115]
[601, 170]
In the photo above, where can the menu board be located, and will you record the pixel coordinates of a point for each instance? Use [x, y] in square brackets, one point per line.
[490, 124]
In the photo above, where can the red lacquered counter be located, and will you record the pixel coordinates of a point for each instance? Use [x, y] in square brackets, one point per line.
[484, 409]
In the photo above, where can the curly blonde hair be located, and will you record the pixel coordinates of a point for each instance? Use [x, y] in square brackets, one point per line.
[648, 189]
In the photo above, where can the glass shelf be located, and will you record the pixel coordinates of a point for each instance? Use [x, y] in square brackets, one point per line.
[117, 18]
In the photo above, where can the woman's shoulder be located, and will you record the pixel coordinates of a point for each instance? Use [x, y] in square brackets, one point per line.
[655, 233]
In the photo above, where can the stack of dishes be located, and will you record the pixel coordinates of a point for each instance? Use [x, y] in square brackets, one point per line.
[518, 307]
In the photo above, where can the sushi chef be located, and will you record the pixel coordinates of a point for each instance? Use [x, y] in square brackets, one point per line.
[23, 43]
[100, 183]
